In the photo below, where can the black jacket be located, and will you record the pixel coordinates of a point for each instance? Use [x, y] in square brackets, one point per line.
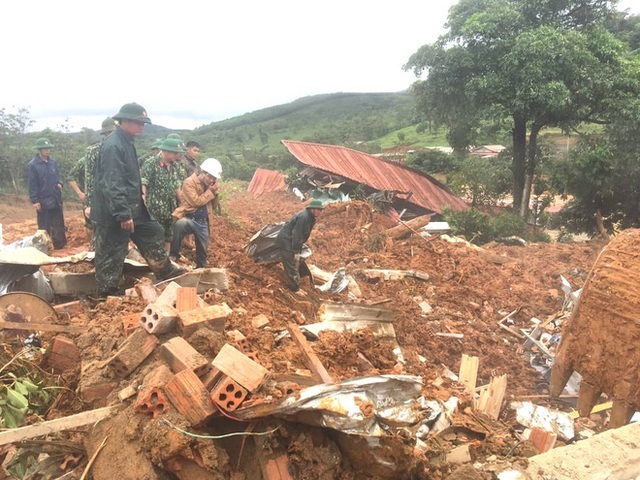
[117, 187]
[296, 231]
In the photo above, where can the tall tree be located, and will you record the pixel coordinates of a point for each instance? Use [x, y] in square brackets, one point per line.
[14, 152]
[538, 63]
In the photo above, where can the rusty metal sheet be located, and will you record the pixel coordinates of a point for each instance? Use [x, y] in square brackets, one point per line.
[265, 181]
[377, 173]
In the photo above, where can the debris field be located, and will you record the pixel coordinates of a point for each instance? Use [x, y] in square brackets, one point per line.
[223, 357]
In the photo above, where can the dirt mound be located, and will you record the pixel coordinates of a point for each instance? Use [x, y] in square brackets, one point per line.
[607, 313]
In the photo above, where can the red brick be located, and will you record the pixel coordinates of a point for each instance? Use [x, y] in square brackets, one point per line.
[214, 316]
[186, 299]
[151, 402]
[130, 323]
[189, 397]
[228, 394]
[157, 378]
[240, 368]
[180, 356]
[136, 348]
[63, 355]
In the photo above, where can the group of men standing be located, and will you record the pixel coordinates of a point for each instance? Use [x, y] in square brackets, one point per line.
[124, 202]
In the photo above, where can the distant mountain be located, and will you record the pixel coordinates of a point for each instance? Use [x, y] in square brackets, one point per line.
[337, 118]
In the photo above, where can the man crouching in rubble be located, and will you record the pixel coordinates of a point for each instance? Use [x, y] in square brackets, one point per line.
[290, 239]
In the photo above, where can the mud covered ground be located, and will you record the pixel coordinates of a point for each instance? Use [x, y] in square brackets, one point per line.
[468, 290]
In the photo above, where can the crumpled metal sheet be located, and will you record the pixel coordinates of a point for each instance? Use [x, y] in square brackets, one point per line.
[337, 283]
[262, 246]
[372, 406]
[531, 415]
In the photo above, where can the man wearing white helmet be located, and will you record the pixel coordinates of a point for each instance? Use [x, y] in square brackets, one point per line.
[192, 216]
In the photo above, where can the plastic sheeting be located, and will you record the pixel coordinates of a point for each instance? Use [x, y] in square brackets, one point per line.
[374, 406]
[262, 246]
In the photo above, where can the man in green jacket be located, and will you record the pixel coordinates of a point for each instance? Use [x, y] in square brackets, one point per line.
[290, 239]
[118, 210]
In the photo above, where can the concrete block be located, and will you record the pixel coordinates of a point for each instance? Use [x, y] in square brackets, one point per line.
[65, 283]
[159, 318]
[260, 321]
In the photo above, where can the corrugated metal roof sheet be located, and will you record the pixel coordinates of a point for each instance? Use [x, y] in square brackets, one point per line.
[379, 174]
[266, 181]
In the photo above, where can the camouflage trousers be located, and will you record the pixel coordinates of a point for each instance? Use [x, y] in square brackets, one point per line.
[112, 246]
[291, 264]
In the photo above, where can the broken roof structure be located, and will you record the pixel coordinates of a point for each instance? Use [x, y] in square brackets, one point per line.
[264, 181]
[421, 190]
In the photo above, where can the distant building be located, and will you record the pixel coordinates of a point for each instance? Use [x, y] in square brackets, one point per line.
[487, 150]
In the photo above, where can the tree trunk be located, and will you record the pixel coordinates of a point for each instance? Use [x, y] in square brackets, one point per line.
[530, 170]
[600, 224]
[519, 161]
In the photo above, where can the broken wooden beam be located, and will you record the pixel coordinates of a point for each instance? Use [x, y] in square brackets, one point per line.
[407, 228]
[43, 327]
[54, 426]
[468, 371]
[311, 360]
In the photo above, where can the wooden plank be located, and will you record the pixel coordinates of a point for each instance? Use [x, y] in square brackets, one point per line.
[43, 327]
[311, 360]
[354, 312]
[468, 371]
[274, 462]
[491, 398]
[53, 426]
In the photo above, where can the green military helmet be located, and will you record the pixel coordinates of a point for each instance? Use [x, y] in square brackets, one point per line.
[174, 135]
[173, 145]
[317, 204]
[156, 144]
[43, 143]
[108, 126]
[132, 111]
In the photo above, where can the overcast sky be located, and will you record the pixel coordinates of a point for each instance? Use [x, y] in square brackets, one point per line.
[191, 62]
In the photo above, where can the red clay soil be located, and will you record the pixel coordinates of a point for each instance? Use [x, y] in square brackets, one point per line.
[469, 292]
[607, 313]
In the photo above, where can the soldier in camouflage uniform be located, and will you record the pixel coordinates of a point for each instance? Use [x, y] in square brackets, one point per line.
[82, 171]
[155, 151]
[117, 208]
[161, 183]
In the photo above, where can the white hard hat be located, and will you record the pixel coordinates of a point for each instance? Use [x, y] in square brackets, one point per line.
[212, 167]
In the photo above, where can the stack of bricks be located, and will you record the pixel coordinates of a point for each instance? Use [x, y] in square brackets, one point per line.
[193, 385]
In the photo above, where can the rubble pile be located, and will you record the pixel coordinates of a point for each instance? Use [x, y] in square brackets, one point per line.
[405, 372]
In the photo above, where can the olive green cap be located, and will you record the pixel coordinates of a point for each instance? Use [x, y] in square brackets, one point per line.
[316, 204]
[132, 111]
[108, 125]
[174, 135]
[43, 143]
[156, 144]
[173, 145]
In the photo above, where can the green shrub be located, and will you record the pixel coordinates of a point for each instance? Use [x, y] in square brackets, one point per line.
[472, 224]
[541, 237]
[509, 225]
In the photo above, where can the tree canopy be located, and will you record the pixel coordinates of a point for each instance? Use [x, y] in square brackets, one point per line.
[531, 63]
